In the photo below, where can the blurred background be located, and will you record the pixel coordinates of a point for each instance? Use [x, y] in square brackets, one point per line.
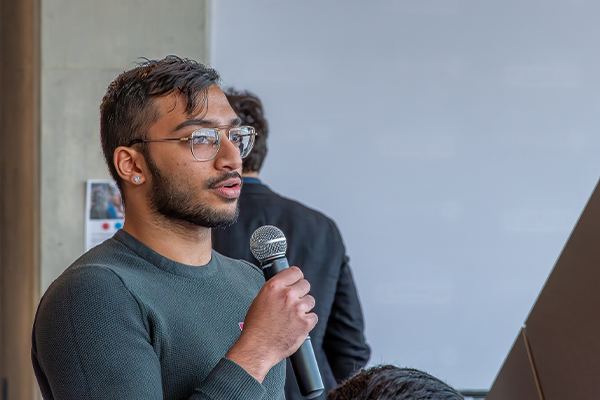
[453, 142]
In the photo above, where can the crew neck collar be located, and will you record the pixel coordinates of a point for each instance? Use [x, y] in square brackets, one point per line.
[162, 262]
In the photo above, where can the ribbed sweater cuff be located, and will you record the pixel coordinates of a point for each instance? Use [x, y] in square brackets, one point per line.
[227, 380]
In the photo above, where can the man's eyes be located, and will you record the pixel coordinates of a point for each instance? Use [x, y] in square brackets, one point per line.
[235, 137]
[204, 137]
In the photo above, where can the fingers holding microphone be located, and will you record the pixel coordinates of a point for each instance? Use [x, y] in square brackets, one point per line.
[277, 323]
[298, 288]
[281, 313]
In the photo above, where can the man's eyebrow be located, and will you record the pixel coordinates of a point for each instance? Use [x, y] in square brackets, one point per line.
[196, 122]
[206, 123]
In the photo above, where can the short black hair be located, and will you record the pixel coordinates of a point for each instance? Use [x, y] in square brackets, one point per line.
[249, 108]
[128, 109]
[388, 382]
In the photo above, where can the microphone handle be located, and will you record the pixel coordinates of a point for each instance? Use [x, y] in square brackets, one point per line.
[303, 360]
[273, 267]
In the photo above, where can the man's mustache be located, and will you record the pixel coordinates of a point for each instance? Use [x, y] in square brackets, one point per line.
[211, 183]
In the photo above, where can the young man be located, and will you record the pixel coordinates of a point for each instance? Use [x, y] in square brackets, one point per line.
[154, 313]
[314, 244]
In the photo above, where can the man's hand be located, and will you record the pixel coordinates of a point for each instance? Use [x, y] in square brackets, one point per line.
[276, 324]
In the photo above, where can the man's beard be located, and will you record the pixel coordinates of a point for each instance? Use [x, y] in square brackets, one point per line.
[176, 202]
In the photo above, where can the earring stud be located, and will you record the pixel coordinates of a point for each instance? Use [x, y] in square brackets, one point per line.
[136, 179]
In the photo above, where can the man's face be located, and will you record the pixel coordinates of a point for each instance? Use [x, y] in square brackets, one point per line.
[202, 193]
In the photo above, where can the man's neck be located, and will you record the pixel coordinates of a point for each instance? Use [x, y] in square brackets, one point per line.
[184, 243]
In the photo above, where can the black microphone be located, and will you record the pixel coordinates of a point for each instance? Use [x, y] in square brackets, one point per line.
[268, 245]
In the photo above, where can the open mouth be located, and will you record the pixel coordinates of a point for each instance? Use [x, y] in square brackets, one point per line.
[229, 189]
[230, 183]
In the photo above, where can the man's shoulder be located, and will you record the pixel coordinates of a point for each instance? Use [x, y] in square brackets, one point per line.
[294, 207]
[310, 217]
[109, 255]
[96, 265]
[88, 283]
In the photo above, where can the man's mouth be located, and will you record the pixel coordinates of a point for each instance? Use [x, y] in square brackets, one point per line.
[229, 189]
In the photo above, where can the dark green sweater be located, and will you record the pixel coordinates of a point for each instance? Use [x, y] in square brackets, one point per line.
[124, 322]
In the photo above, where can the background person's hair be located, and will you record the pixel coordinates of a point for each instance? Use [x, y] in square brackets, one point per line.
[388, 382]
[250, 110]
[128, 109]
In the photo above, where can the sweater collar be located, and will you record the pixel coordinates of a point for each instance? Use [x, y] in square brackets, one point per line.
[165, 264]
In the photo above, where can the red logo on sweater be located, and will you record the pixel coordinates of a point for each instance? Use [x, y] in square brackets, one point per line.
[241, 324]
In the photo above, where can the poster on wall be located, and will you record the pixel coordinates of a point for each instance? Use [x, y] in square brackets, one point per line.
[104, 211]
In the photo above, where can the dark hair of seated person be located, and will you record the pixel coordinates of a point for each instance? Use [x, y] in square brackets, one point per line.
[388, 382]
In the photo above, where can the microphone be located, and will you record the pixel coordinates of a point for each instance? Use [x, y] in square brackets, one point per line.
[268, 245]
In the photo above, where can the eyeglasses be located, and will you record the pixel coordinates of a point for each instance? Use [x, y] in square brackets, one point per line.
[205, 142]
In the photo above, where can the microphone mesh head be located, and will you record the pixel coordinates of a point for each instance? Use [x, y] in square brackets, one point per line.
[268, 242]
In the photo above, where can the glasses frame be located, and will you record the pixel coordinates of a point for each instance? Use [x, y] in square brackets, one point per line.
[218, 131]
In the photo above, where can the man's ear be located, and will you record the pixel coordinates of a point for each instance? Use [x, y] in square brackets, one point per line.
[130, 165]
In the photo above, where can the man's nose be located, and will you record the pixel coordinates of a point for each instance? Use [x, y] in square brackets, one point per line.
[228, 157]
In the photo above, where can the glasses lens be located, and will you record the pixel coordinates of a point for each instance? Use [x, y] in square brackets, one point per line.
[205, 144]
[243, 138]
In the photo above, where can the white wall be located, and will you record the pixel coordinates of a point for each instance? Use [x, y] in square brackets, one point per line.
[85, 45]
[454, 142]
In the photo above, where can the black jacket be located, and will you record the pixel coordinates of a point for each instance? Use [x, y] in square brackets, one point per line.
[316, 247]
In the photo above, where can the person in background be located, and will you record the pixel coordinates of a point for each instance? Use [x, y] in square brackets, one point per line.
[314, 245]
[388, 382]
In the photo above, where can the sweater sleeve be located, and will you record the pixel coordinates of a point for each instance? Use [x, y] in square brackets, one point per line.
[229, 381]
[344, 342]
[91, 340]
